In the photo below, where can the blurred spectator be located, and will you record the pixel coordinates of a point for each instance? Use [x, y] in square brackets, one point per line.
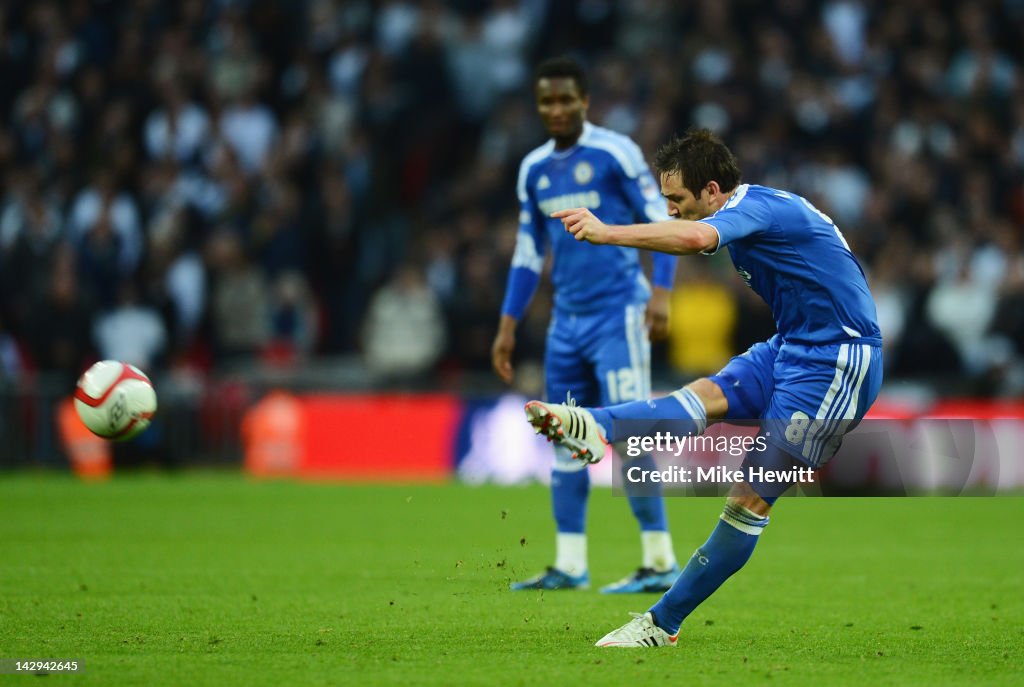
[250, 129]
[104, 221]
[236, 69]
[404, 334]
[395, 25]
[132, 332]
[842, 187]
[980, 68]
[176, 275]
[240, 308]
[60, 325]
[31, 228]
[293, 318]
[277, 238]
[179, 129]
[476, 301]
[701, 322]
[962, 308]
[11, 363]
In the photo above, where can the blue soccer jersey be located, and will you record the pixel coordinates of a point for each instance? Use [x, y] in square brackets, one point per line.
[794, 257]
[606, 172]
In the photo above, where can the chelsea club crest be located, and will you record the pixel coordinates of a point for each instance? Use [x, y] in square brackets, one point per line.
[583, 173]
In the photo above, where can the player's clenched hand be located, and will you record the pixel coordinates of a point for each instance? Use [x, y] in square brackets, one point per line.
[582, 224]
[656, 316]
[501, 351]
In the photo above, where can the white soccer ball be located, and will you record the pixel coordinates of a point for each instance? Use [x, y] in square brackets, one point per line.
[115, 400]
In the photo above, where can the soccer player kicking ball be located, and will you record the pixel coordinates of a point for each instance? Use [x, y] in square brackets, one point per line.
[597, 346]
[809, 384]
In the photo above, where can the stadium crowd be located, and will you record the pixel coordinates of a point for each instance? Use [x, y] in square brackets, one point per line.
[197, 183]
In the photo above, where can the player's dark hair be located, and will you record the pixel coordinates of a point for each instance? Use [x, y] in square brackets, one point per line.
[562, 68]
[699, 157]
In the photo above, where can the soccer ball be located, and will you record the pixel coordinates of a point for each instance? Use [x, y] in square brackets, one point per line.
[115, 400]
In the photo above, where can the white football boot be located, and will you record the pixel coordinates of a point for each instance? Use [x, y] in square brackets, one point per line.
[640, 631]
[569, 425]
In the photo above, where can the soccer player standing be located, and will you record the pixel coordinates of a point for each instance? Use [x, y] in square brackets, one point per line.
[597, 349]
[809, 384]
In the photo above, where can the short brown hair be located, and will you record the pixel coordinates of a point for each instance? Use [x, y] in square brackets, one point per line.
[699, 157]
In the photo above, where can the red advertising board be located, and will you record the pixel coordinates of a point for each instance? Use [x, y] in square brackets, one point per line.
[380, 436]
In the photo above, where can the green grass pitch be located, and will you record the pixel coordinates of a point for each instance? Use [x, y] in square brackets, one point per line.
[212, 579]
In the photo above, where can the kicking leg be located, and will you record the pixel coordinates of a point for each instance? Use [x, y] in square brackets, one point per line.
[726, 551]
[588, 431]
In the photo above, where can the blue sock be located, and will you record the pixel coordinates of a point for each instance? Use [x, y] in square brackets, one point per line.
[569, 491]
[726, 551]
[646, 501]
[683, 407]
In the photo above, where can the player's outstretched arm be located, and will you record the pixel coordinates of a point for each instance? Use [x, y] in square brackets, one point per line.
[677, 236]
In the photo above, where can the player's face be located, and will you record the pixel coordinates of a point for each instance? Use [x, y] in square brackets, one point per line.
[682, 204]
[561, 107]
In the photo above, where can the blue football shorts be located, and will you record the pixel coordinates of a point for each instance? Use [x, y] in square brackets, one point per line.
[805, 397]
[599, 358]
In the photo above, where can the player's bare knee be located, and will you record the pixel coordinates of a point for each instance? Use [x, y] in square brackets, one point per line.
[711, 396]
[743, 495]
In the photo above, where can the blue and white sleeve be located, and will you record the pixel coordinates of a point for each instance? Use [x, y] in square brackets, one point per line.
[738, 218]
[528, 258]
